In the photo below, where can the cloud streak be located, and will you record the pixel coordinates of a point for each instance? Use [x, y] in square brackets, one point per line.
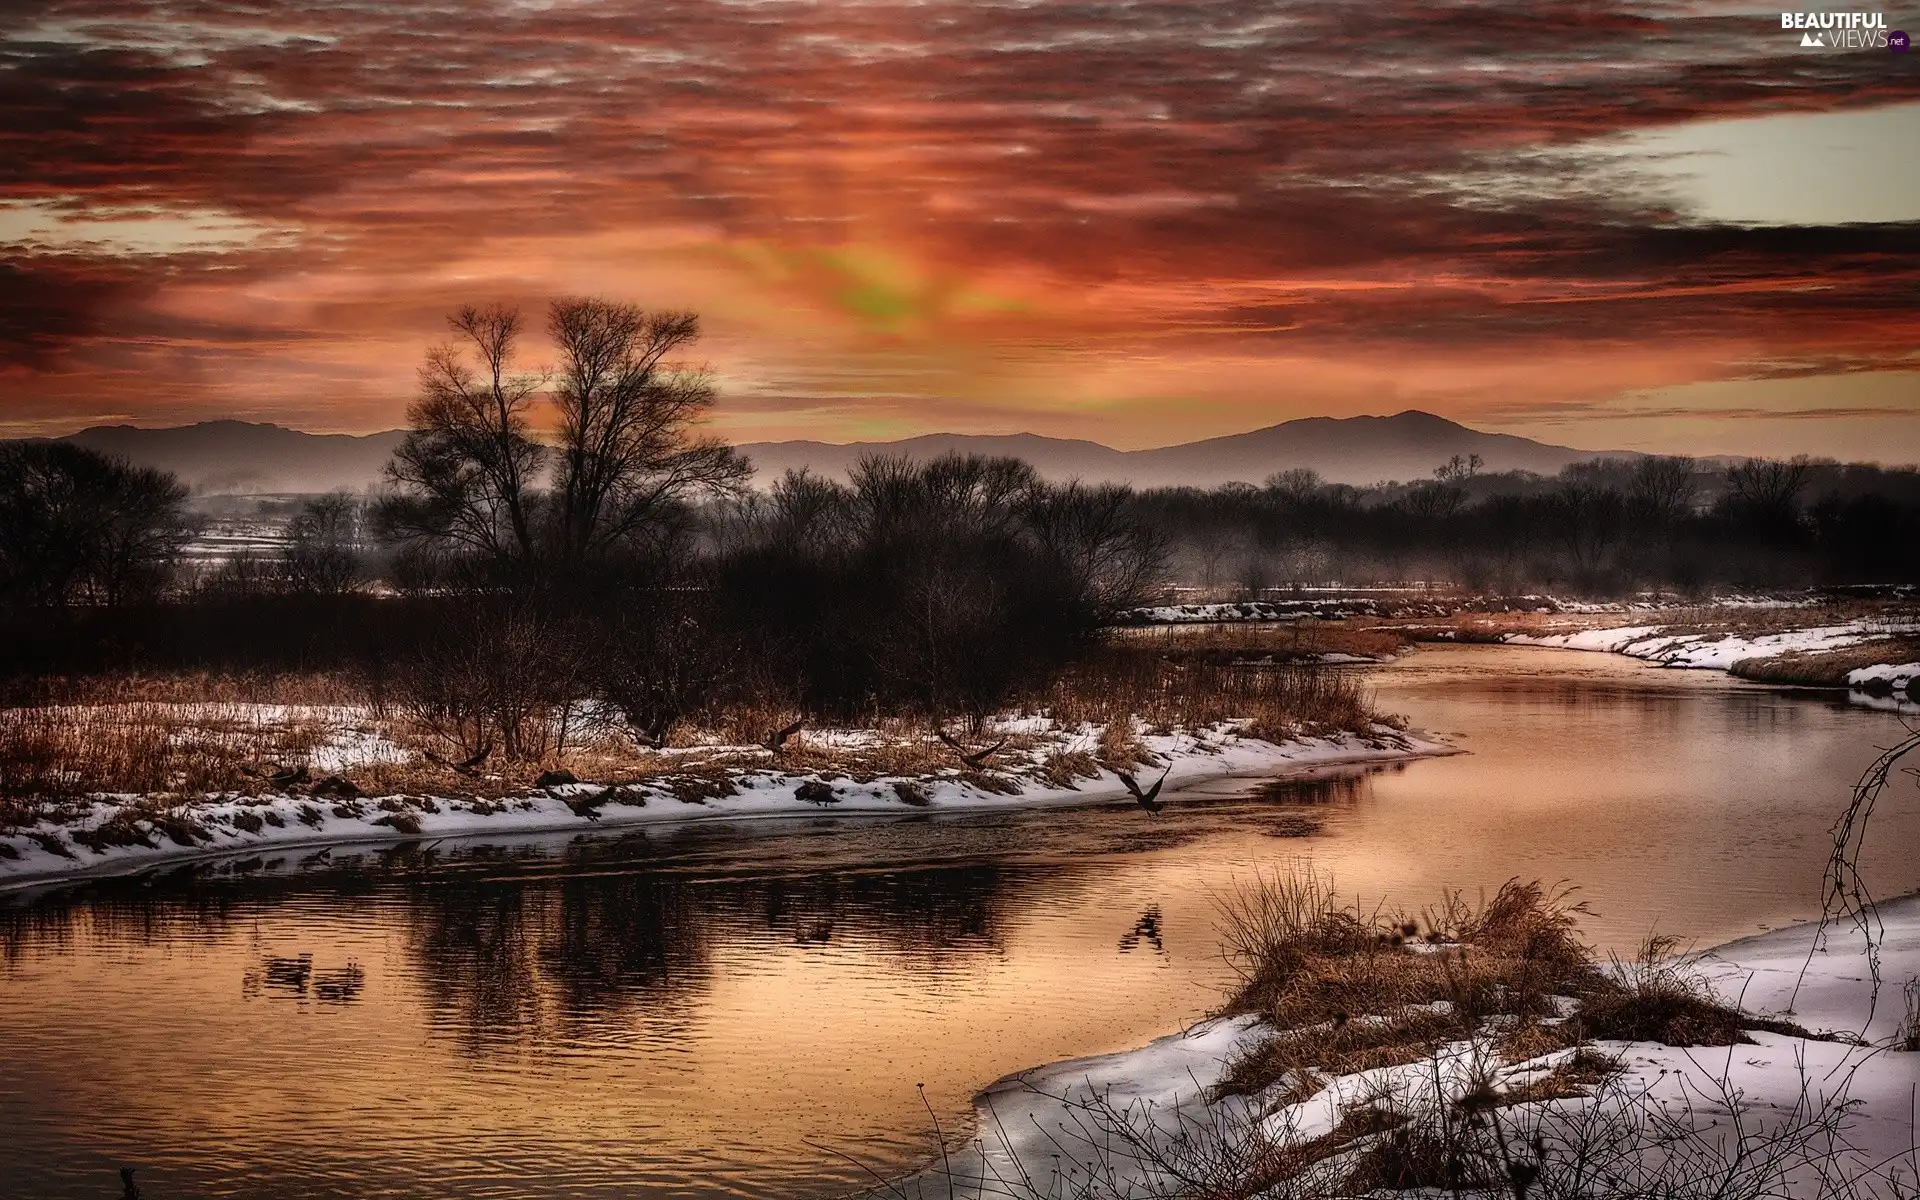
[953, 214]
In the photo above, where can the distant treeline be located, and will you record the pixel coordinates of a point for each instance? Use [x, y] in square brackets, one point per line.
[623, 558]
[1601, 528]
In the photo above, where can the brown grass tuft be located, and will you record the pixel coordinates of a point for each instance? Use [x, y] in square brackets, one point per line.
[1136, 678]
[1351, 990]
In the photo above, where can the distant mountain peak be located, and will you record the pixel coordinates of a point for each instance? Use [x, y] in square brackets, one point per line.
[233, 455]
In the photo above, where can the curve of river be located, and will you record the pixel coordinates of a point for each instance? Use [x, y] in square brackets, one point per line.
[721, 1011]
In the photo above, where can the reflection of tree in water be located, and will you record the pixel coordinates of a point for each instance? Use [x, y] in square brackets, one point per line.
[617, 940]
[506, 959]
[162, 907]
[918, 915]
[1344, 789]
[475, 951]
[1291, 806]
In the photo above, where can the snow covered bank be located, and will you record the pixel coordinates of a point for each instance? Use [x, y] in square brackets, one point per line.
[1724, 650]
[1811, 1113]
[1336, 603]
[1713, 651]
[1893, 677]
[119, 834]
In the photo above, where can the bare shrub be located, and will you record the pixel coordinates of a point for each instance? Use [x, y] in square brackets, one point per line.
[1130, 677]
[503, 678]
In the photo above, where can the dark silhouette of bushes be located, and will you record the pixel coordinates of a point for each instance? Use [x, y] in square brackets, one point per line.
[943, 588]
[1598, 527]
[80, 527]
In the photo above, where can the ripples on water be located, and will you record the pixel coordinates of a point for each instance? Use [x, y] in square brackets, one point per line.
[705, 1011]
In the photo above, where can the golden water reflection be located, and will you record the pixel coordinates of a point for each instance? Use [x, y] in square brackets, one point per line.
[711, 1011]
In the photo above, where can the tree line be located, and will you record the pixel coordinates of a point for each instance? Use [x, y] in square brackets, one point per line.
[621, 558]
[1606, 527]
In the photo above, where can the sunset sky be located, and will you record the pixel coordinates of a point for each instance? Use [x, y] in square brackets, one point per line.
[1654, 226]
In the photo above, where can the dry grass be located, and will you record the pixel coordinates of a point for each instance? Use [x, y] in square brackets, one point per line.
[1352, 990]
[1065, 768]
[1135, 678]
[1659, 996]
[145, 746]
[1296, 1059]
[320, 689]
[1828, 668]
[242, 735]
[1300, 641]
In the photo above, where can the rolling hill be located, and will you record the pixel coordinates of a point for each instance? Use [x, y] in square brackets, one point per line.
[240, 457]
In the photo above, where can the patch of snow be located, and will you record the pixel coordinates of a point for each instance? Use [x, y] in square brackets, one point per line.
[1898, 676]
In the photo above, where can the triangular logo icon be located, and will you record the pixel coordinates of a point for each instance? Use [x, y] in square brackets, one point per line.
[1811, 39]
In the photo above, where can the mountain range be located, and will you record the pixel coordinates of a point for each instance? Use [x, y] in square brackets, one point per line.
[240, 457]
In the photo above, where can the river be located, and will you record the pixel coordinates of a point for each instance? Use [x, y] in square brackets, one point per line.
[722, 1011]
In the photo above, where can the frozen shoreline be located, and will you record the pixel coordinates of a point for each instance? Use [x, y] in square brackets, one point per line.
[1029, 1122]
[1668, 646]
[297, 821]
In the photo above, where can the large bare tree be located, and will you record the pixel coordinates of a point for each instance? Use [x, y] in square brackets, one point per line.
[466, 467]
[472, 476]
[626, 411]
[81, 527]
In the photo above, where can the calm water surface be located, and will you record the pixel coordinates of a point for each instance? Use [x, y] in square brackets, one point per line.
[713, 1011]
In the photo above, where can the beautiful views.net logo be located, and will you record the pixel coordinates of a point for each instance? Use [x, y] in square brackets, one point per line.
[1841, 30]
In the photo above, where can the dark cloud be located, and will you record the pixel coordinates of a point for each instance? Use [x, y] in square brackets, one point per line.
[47, 306]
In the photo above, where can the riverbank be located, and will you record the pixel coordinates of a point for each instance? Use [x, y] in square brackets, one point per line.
[105, 835]
[1875, 656]
[1871, 650]
[1869, 646]
[1815, 1094]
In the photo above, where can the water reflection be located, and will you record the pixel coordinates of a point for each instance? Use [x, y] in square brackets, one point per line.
[694, 1012]
[1145, 931]
[295, 979]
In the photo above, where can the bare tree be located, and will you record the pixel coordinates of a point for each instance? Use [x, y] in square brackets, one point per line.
[1111, 559]
[325, 550]
[1295, 484]
[1589, 516]
[1767, 490]
[466, 467]
[626, 450]
[1662, 489]
[470, 472]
